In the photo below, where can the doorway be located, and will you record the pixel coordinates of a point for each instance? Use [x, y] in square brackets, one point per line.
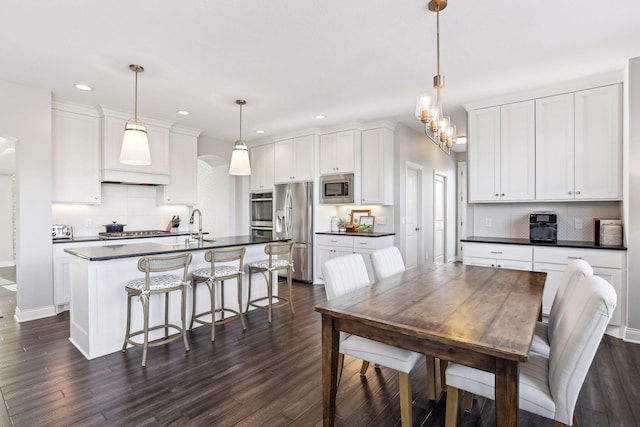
[439, 216]
[413, 216]
[8, 287]
[462, 206]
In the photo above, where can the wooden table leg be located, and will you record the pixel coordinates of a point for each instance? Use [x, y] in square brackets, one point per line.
[507, 393]
[330, 346]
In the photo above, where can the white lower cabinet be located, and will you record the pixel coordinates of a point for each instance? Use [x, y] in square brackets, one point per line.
[330, 246]
[608, 264]
[496, 255]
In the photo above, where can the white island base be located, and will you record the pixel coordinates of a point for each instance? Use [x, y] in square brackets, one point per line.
[98, 308]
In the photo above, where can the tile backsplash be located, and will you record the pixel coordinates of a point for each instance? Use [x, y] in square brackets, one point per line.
[132, 205]
[512, 219]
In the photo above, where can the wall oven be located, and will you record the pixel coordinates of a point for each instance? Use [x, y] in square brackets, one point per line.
[261, 214]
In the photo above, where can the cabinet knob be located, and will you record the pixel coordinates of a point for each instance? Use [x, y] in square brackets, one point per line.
[570, 192]
[577, 192]
[502, 195]
[497, 195]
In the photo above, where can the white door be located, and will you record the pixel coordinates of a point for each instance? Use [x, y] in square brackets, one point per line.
[462, 206]
[412, 215]
[439, 191]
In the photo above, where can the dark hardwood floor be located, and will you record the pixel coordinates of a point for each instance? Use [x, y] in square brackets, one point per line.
[268, 375]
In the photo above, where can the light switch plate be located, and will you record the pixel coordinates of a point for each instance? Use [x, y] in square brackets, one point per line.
[578, 223]
[382, 220]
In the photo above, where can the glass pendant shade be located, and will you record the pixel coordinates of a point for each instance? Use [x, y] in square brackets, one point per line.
[240, 160]
[135, 145]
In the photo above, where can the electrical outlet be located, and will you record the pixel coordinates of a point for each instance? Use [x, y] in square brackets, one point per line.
[488, 222]
[578, 223]
[382, 220]
[88, 222]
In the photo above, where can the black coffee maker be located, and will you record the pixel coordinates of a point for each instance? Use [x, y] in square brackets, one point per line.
[543, 227]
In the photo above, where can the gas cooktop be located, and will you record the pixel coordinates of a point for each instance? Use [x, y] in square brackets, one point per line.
[135, 233]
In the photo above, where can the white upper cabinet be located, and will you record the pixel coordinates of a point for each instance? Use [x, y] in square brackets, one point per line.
[501, 153]
[294, 159]
[158, 172]
[76, 141]
[262, 167]
[338, 152]
[183, 150]
[579, 145]
[598, 149]
[376, 181]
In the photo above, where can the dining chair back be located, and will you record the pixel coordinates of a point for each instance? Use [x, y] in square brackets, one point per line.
[387, 262]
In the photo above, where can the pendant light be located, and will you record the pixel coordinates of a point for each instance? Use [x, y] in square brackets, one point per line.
[135, 146]
[240, 155]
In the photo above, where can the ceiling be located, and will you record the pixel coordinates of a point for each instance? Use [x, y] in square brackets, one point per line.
[353, 60]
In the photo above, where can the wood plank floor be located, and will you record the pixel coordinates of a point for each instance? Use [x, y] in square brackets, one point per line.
[268, 375]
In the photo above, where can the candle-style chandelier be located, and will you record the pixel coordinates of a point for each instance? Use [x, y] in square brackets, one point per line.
[437, 126]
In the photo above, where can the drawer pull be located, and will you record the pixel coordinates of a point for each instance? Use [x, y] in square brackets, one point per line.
[574, 257]
[333, 241]
[496, 252]
[362, 243]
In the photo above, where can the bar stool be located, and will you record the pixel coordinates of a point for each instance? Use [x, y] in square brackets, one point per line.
[219, 273]
[158, 284]
[267, 267]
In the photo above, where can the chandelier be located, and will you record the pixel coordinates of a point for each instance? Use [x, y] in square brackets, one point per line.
[240, 164]
[437, 126]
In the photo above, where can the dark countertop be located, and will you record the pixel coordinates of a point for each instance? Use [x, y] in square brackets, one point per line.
[559, 244]
[100, 239]
[357, 233]
[131, 250]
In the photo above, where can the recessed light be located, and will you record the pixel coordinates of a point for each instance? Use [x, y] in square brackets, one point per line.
[83, 87]
[183, 112]
[321, 116]
[259, 131]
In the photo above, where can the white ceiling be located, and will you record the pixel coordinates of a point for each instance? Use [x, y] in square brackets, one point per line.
[353, 60]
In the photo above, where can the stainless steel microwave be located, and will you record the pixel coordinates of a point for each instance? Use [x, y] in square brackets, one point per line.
[336, 189]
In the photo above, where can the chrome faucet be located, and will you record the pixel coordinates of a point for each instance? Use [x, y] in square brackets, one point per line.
[199, 235]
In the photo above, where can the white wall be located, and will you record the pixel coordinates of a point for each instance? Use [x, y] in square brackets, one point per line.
[414, 147]
[25, 114]
[631, 156]
[6, 221]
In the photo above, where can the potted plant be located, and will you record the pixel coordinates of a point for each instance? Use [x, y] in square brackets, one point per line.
[342, 224]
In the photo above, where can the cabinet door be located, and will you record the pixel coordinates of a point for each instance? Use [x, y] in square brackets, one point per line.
[267, 167]
[551, 285]
[345, 151]
[262, 167]
[283, 161]
[517, 151]
[484, 155]
[76, 138]
[376, 186]
[555, 148]
[366, 256]
[328, 153]
[325, 253]
[182, 189]
[598, 147]
[303, 158]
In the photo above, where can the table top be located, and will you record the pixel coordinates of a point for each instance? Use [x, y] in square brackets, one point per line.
[484, 310]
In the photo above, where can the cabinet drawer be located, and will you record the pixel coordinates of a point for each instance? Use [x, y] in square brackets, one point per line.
[502, 252]
[364, 243]
[331, 240]
[595, 257]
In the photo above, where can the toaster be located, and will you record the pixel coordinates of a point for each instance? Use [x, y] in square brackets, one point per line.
[60, 231]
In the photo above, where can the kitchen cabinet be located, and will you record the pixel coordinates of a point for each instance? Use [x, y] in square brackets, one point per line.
[158, 172]
[608, 264]
[262, 167]
[338, 152]
[76, 154]
[294, 159]
[376, 180]
[183, 167]
[330, 246]
[502, 153]
[515, 257]
[579, 145]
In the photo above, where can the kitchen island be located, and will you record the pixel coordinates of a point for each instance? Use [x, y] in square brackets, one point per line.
[98, 299]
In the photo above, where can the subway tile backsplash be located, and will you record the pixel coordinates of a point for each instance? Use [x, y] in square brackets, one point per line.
[512, 219]
[132, 205]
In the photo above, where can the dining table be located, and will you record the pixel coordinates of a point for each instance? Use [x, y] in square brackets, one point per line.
[481, 317]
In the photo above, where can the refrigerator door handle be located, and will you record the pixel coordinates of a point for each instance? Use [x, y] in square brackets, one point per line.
[288, 212]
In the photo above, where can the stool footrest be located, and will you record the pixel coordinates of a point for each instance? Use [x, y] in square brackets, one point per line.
[158, 341]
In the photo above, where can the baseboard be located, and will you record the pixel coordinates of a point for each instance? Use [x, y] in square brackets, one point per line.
[10, 263]
[632, 335]
[33, 314]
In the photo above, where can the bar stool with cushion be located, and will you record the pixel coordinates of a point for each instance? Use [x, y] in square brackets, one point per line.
[226, 264]
[283, 250]
[153, 284]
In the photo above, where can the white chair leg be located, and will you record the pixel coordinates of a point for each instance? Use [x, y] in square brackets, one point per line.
[405, 399]
[451, 417]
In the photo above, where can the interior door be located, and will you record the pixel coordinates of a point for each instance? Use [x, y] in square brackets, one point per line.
[412, 225]
[438, 217]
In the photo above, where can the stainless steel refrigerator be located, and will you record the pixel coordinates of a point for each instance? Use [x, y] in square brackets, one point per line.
[293, 219]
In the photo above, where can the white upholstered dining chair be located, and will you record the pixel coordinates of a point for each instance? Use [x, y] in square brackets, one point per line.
[347, 273]
[543, 336]
[549, 386]
[387, 262]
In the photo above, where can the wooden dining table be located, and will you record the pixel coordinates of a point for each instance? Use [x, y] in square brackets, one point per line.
[476, 316]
